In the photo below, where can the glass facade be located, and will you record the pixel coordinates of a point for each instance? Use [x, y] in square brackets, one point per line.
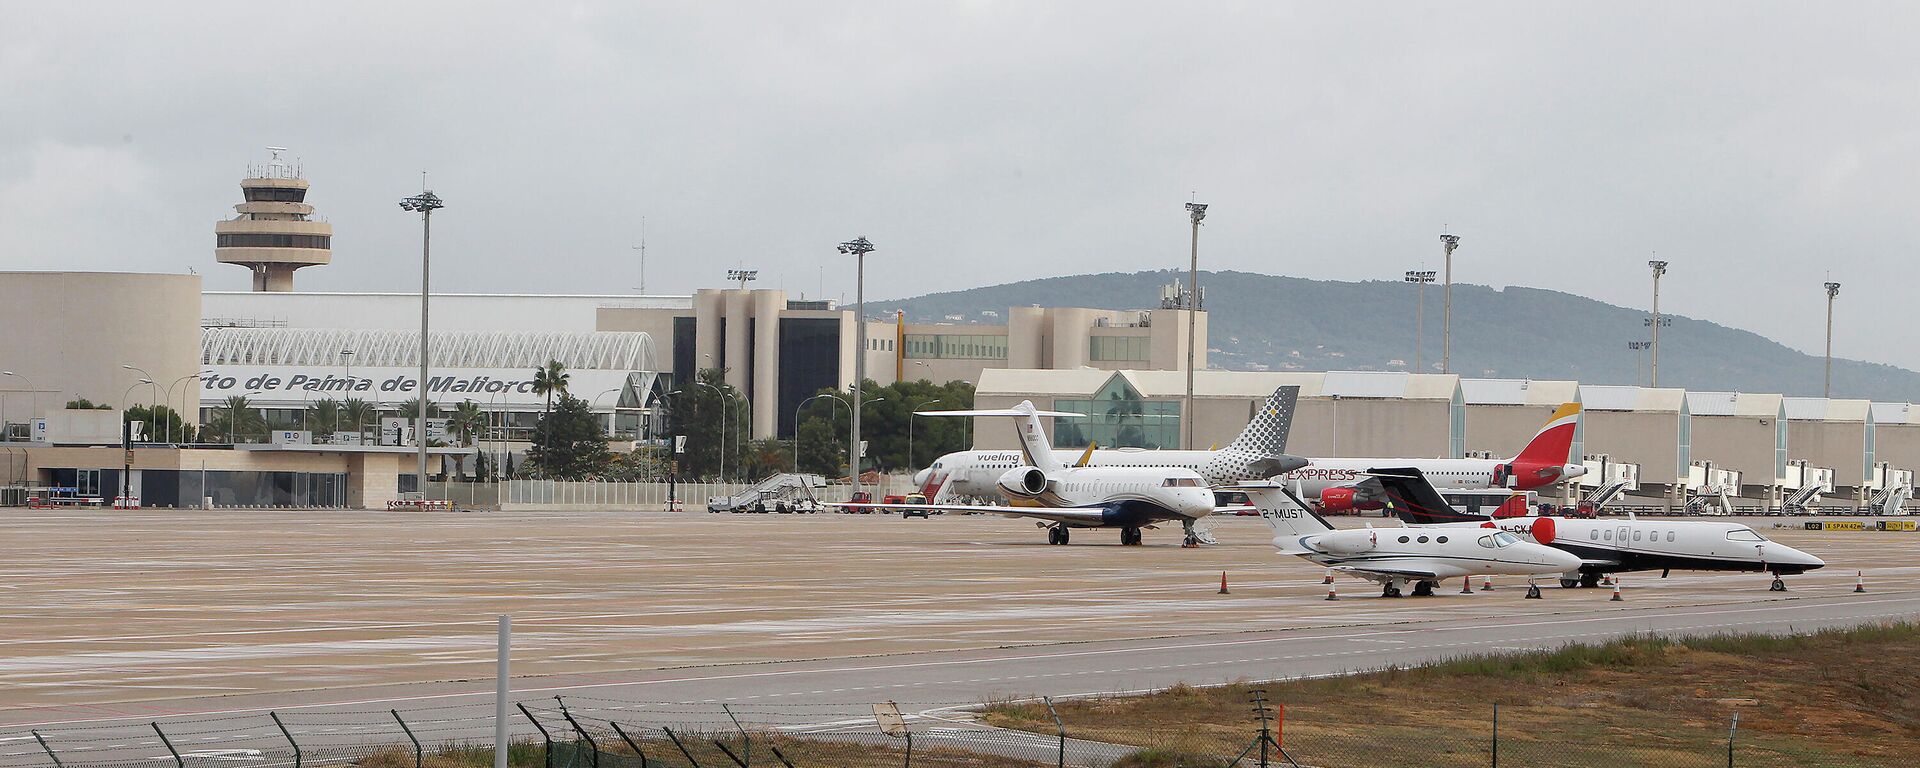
[1120, 348]
[1117, 417]
[179, 489]
[809, 362]
[956, 346]
[266, 240]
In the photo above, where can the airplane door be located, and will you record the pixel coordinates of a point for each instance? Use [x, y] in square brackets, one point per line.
[1622, 533]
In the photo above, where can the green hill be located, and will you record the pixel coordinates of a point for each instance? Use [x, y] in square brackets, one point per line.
[1288, 323]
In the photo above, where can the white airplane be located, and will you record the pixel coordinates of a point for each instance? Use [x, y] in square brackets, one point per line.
[1067, 497]
[1258, 453]
[1341, 484]
[1397, 557]
[1617, 546]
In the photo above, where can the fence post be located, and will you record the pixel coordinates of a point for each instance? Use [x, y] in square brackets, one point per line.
[177, 762]
[1496, 735]
[1734, 729]
[1259, 698]
[728, 753]
[581, 731]
[43, 745]
[545, 738]
[682, 747]
[630, 742]
[1059, 726]
[289, 734]
[418, 758]
[777, 756]
[746, 741]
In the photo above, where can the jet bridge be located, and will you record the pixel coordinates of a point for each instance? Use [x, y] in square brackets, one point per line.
[1710, 489]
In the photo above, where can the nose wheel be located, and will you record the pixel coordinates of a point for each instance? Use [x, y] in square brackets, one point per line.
[1131, 537]
[1778, 585]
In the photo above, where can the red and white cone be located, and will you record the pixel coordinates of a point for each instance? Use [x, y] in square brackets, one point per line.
[1616, 592]
[1329, 578]
[1859, 581]
[1466, 585]
[1486, 583]
[1223, 583]
[1332, 591]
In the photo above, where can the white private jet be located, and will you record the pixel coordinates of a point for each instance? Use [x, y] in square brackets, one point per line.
[1258, 453]
[1397, 557]
[1617, 546]
[1067, 497]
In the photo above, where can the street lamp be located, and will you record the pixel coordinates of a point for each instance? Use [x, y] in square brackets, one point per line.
[1659, 268]
[1195, 212]
[1447, 243]
[148, 379]
[1420, 279]
[183, 401]
[613, 423]
[32, 387]
[910, 414]
[859, 247]
[1833, 289]
[425, 203]
[796, 423]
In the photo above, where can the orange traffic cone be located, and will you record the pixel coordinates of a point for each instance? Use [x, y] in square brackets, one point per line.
[1223, 583]
[1486, 583]
[1466, 585]
[1859, 581]
[1329, 578]
[1332, 594]
[1616, 592]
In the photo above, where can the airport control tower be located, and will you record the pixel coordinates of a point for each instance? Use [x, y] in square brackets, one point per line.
[274, 233]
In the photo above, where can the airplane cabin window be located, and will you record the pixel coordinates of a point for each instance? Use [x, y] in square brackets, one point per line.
[1595, 535]
[1636, 535]
[1441, 539]
[1403, 539]
[1423, 539]
[1669, 537]
[1609, 535]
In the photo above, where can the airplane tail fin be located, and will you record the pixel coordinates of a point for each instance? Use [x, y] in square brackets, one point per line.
[1553, 444]
[1282, 509]
[1414, 499]
[1266, 432]
[1034, 444]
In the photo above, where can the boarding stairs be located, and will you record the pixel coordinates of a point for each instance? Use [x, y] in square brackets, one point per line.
[783, 491]
[1713, 500]
[1801, 497]
[1605, 493]
[1890, 501]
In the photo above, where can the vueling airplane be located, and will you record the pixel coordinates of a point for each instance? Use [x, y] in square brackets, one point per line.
[1398, 557]
[1066, 497]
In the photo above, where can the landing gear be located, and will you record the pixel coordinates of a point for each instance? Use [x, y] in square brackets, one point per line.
[1130, 537]
[1778, 584]
[1590, 580]
[1566, 583]
[1391, 588]
[1192, 536]
[1057, 534]
[1423, 589]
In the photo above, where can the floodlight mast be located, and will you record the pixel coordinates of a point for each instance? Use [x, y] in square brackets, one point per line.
[1196, 212]
[1420, 278]
[425, 204]
[1659, 268]
[859, 247]
[1448, 243]
[743, 276]
[1833, 290]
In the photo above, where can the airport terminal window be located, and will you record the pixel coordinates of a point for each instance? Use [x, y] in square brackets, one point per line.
[274, 194]
[1120, 348]
[956, 346]
[1117, 417]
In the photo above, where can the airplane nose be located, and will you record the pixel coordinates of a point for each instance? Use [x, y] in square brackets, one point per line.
[1561, 560]
[1802, 559]
[920, 477]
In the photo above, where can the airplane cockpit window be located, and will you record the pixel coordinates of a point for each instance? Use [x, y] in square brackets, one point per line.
[1487, 541]
[1504, 539]
[1744, 534]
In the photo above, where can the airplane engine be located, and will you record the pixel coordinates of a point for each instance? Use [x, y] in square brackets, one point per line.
[1346, 499]
[1346, 542]
[1024, 481]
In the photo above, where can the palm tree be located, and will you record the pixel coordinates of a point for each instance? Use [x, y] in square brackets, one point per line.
[549, 379]
[324, 416]
[467, 422]
[357, 412]
[237, 417]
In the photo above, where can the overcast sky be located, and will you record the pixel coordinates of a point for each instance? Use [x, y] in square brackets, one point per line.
[1761, 148]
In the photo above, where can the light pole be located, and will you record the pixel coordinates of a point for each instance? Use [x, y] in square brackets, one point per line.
[1420, 280]
[796, 423]
[425, 203]
[148, 379]
[1637, 347]
[615, 421]
[1833, 289]
[1659, 268]
[183, 401]
[35, 390]
[1195, 212]
[859, 247]
[1447, 243]
[910, 414]
[724, 402]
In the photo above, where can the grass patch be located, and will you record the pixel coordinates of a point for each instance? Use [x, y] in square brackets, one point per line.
[1840, 697]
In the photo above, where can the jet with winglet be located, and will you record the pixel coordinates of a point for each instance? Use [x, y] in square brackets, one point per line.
[1398, 558]
[1062, 498]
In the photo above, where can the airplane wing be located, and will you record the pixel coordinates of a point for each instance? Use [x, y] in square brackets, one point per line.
[1069, 515]
[1411, 573]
